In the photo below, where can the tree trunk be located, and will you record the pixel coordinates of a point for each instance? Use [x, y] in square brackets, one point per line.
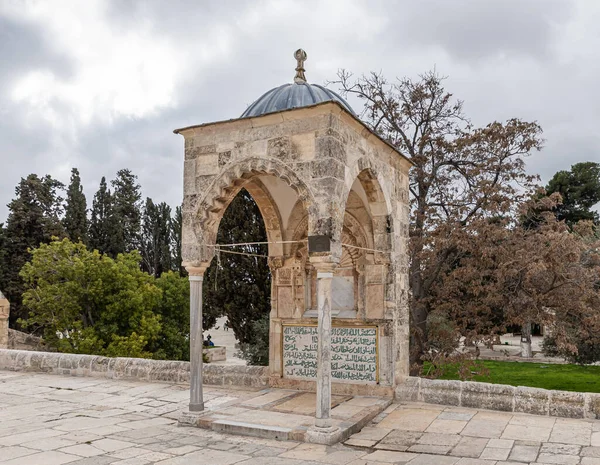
[526, 351]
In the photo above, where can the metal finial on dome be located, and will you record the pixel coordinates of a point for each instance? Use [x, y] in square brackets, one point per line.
[300, 56]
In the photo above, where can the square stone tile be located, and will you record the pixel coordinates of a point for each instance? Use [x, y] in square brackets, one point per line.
[520, 453]
[558, 459]
[574, 433]
[51, 457]
[438, 439]
[409, 419]
[446, 426]
[484, 429]
[501, 443]
[469, 447]
[526, 433]
[493, 453]
[386, 456]
[426, 459]
[399, 440]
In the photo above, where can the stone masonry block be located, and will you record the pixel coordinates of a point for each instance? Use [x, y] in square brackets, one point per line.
[437, 391]
[408, 391]
[567, 404]
[487, 396]
[531, 400]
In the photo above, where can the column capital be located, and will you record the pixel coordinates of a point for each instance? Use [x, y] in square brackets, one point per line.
[323, 264]
[196, 271]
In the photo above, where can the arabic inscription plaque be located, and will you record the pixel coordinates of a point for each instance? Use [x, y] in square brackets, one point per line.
[353, 353]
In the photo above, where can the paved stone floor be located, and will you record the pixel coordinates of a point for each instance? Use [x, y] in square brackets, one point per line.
[51, 420]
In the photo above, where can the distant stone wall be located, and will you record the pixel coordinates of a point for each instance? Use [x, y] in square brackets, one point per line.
[19, 340]
[500, 397]
[130, 368]
[4, 313]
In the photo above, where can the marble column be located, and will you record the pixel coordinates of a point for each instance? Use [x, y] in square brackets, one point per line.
[196, 398]
[324, 297]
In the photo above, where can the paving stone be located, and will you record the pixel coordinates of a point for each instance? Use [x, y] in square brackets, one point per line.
[590, 461]
[430, 449]
[208, 456]
[501, 443]
[469, 461]
[527, 433]
[399, 440]
[446, 426]
[484, 429]
[83, 450]
[389, 456]
[590, 451]
[360, 442]
[572, 433]
[456, 416]
[408, 419]
[469, 447]
[12, 452]
[43, 458]
[493, 453]
[426, 459]
[522, 453]
[560, 459]
[567, 449]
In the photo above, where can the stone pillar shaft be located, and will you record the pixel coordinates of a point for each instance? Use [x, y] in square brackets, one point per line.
[324, 281]
[196, 397]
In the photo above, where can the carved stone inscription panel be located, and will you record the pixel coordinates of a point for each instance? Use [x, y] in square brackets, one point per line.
[353, 353]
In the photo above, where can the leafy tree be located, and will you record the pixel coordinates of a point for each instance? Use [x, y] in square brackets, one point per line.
[257, 352]
[34, 217]
[102, 227]
[85, 302]
[237, 285]
[155, 244]
[509, 275]
[126, 210]
[580, 191]
[462, 174]
[75, 220]
[173, 341]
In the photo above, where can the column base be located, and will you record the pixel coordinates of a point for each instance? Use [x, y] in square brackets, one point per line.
[328, 435]
[191, 417]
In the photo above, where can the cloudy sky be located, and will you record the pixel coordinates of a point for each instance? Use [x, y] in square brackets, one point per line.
[100, 85]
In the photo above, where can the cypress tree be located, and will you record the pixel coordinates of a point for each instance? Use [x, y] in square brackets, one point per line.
[176, 231]
[155, 246]
[75, 221]
[126, 204]
[239, 286]
[33, 218]
[101, 232]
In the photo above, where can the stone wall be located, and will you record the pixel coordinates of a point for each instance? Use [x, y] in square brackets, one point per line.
[130, 368]
[500, 397]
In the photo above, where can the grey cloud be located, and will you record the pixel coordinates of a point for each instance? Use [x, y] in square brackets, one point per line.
[414, 37]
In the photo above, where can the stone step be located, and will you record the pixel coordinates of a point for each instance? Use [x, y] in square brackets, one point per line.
[252, 429]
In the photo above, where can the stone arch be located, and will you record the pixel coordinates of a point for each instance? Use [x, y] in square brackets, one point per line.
[244, 174]
[371, 179]
[379, 205]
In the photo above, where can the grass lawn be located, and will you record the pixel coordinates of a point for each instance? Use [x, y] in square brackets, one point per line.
[540, 375]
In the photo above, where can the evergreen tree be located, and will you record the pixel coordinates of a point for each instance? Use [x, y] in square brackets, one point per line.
[155, 246]
[33, 218]
[102, 229]
[239, 286]
[75, 221]
[176, 230]
[580, 191]
[126, 204]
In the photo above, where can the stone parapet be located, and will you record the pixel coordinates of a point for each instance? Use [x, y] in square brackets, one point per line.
[500, 397]
[130, 368]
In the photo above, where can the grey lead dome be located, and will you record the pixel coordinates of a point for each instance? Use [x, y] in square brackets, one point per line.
[294, 95]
